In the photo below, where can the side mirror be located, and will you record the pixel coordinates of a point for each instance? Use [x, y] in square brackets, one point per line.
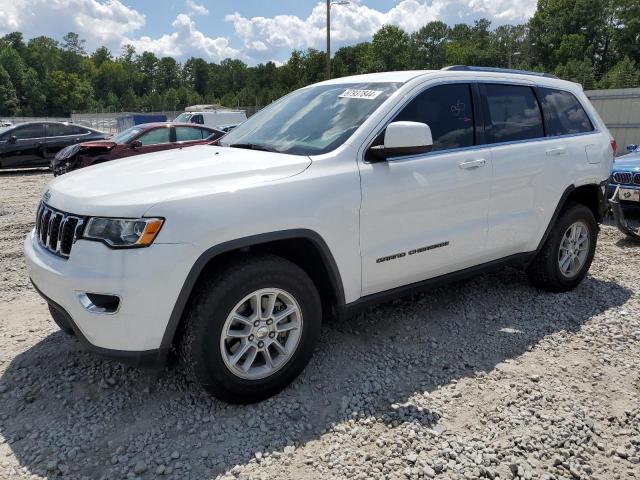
[13, 139]
[404, 138]
[135, 144]
[632, 148]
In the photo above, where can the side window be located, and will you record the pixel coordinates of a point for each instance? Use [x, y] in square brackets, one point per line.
[448, 110]
[156, 136]
[61, 130]
[564, 113]
[29, 131]
[188, 134]
[511, 113]
[199, 119]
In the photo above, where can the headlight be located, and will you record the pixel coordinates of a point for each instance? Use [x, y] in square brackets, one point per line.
[123, 232]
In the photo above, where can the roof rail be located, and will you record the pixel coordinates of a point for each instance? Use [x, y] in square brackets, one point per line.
[465, 68]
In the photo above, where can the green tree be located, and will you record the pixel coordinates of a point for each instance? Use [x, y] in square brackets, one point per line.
[389, 50]
[67, 92]
[100, 56]
[167, 74]
[624, 74]
[72, 52]
[428, 46]
[579, 71]
[8, 97]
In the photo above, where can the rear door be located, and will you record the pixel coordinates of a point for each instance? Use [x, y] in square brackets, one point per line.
[26, 149]
[523, 187]
[60, 136]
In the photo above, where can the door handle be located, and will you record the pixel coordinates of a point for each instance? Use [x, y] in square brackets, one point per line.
[554, 152]
[471, 164]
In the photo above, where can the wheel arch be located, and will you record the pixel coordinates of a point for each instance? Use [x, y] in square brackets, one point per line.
[591, 195]
[304, 247]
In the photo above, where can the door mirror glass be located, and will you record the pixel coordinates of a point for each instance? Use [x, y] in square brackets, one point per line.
[632, 148]
[404, 138]
[13, 139]
[135, 144]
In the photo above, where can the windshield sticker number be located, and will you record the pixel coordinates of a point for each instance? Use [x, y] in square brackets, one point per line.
[362, 94]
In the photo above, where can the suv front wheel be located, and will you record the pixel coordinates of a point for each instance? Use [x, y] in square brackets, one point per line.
[566, 256]
[251, 329]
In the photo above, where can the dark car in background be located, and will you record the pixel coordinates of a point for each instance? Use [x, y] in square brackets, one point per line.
[136, 140]
[34, 144]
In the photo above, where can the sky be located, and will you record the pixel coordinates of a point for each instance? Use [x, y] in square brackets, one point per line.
[251, 30]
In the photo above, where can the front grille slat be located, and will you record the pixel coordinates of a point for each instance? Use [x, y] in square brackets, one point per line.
[623, 177]
[57, 231]
[636, 179]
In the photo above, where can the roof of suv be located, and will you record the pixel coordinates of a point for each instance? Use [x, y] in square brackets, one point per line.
[458, 72]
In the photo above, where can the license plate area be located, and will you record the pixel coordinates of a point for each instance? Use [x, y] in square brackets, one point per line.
[629, 195]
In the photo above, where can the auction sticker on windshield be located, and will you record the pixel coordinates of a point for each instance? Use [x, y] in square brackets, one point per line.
[363, 94]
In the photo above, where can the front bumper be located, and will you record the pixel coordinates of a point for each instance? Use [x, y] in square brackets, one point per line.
[147, 281]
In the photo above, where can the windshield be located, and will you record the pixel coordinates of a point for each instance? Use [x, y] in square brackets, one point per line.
[311, 121]
[126, 135]
[183, 118]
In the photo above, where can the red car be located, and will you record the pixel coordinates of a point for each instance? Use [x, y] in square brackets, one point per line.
[139, 139]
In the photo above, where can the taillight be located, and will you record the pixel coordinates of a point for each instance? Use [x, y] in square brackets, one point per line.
[614, 145]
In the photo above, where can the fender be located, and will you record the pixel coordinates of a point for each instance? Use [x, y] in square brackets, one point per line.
[556, 214]
[209, 254]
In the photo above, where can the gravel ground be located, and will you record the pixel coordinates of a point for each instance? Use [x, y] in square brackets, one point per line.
[487, 378]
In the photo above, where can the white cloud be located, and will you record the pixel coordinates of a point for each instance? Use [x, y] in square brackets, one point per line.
[185, 41]
[99, 22]
[257, 39]
[196, 8]
[264, 37]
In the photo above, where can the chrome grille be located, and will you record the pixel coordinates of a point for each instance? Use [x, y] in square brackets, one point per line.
[636, 179]
[57, 231]
[623, 177]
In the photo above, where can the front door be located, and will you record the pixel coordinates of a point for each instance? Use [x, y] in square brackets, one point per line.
[23, 147]
[154, 140]
[426, 215]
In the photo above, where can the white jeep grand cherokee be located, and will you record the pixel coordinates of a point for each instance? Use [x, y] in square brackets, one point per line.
[337, 196]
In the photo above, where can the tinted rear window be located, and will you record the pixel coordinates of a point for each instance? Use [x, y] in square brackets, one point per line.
[61, 130]
[563, 113]
[186, 134]
[511, 113]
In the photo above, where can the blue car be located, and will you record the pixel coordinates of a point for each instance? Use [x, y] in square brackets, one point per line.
[625, 179]
[626, 175]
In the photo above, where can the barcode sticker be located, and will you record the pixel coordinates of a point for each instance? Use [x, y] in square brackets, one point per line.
[362, 94]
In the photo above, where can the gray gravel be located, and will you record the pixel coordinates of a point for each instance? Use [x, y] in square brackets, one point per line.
[482, 379]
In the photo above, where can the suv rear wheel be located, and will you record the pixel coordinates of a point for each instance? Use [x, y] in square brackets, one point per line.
[567, 254]
[251, 329]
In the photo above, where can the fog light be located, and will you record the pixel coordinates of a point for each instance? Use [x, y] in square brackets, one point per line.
[99, 302]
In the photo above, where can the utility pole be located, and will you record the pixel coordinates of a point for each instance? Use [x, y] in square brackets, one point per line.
[327, 73]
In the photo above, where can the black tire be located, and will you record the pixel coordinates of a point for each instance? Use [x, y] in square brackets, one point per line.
[544, 272]
[199, 348]
[61, 321]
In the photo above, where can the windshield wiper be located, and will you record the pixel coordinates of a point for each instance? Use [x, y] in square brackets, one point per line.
[252, 146]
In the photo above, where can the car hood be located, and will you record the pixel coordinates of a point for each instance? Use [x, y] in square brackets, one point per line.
[72, 150]
[628, 163]
[129, 187]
